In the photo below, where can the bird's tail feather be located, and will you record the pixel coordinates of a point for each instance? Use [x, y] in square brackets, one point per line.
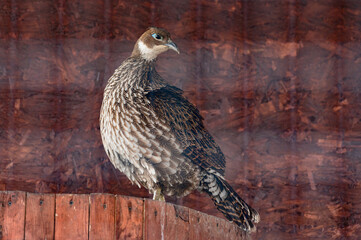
[234, 208]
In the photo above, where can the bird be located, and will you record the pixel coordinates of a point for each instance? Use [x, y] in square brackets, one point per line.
[157, 138]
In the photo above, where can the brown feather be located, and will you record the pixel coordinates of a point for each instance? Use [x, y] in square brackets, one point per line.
[156, 137]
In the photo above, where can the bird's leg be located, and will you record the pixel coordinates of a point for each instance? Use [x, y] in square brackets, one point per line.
[158, 195]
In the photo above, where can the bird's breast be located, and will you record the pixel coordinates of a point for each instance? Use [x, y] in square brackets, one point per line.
[130, 127]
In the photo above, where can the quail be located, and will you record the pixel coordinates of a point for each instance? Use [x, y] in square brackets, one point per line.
[157, 138]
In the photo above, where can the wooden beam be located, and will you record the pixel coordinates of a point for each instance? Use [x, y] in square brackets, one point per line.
[204, 227]
[72, 217]
[12, 215]
[40, 211]
[102, 216]
[129, 218]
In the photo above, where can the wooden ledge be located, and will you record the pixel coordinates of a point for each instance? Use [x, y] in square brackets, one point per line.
[105, 216]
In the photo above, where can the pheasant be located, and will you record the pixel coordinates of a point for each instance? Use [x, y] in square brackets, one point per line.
[157, 138]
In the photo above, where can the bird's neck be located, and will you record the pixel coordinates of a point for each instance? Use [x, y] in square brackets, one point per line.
[135, 73]
[136, 52]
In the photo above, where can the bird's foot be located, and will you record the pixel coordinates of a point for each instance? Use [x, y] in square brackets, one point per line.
[158, 195]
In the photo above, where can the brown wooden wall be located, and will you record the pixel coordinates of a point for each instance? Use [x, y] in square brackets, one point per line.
[278, 84]
[105, 217]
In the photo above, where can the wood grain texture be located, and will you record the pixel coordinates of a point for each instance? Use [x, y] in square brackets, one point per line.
[74, 218]
[12, 215]
[166, 221]
[129, 214]
[71, 216]
[102, 216]
[40, 216]
[277, 82]
[154, 220]
[177, 223]
[205, 227]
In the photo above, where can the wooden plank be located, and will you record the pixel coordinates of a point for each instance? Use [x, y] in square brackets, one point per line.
[177, 222]
[129, 218]
[165, 221]
[168, 221]
[12, 215]
[102, 216]
[154, 219]
[204, 227]
[71, 217]
[200, 226]
[39, 222]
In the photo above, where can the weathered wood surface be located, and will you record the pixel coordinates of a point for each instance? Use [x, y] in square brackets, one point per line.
[129, 215]
[104, 217]
[207, 227]
[39, 218]
[72, 216]
[278, 83]
[12, 215]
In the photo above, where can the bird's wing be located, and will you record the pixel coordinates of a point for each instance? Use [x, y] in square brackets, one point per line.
[187, 125]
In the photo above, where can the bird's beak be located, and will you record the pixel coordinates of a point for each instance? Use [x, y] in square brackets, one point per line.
[172, 45]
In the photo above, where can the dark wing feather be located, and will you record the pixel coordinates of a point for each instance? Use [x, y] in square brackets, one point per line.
[187, 125]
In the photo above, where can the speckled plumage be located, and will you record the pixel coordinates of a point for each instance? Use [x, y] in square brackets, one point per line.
[156, 137]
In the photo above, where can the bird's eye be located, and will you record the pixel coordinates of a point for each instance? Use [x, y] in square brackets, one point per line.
[157, 36]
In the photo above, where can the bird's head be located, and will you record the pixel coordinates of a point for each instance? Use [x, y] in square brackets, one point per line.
[152, 43]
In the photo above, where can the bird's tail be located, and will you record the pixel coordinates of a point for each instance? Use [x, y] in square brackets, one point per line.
[234, 208]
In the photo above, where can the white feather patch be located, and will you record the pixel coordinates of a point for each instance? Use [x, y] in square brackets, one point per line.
[150, 53]
[146, 52]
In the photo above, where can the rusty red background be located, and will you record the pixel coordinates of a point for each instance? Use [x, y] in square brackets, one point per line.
[278, 84]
